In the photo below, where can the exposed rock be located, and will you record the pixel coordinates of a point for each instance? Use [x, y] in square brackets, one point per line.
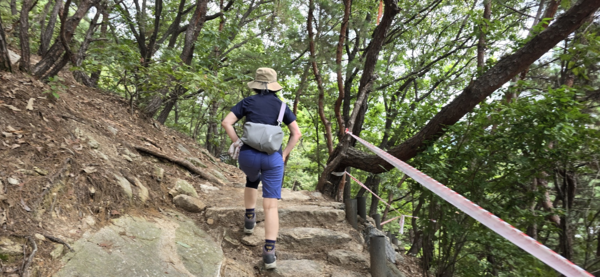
[89, 220]
[210, 221]
[183, 187]
[257, 238]
[13, 57]
[289, 195]
[93, 143]
[159, 173]
[40, 171]
[399, 258]
[39, 237]
[239, 185]
[112, 129]
[9, 247]
[13, 181]
[188, 203]
[232, 241]
[394, 271]
[165, 246]
[197, 162]
[316, 194]
[102, 155]
[345, 257]
[296, 268]
[125, 185]
[208, 188]
[345, 273]
[127, 158]
[232, 268]
[219, 175]
[143, 193]
[183, 149]
[57, 251]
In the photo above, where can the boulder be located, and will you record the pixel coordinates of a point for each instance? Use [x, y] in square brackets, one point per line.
[125, 185]
[183, 187]
[183, 149]
[159, 173]
[143, 193]
[188, 203]
[208, 188]
[169, 245]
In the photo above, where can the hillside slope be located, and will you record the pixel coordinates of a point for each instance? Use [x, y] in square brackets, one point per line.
[81, 172]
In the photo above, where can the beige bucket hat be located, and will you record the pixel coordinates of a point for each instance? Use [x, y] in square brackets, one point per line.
[265, 77]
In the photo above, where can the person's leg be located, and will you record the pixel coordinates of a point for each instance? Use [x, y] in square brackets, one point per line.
[250, 165]
[271, 218]
[272, 177]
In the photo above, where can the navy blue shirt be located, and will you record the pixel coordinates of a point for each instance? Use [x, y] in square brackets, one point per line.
[262, 108]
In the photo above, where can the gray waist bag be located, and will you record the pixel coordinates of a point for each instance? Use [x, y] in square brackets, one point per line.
[264, 137]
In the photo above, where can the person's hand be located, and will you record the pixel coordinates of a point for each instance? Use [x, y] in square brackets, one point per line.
[234, 149]
[285, 156]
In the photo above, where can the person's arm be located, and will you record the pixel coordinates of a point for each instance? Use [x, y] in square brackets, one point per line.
[227, 124]
[294, 138]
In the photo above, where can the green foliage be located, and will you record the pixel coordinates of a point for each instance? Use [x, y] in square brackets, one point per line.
[56, 86]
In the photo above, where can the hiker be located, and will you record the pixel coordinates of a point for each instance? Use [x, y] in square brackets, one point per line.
[263, 108]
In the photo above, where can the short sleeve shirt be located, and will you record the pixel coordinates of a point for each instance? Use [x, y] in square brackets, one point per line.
[262, 109]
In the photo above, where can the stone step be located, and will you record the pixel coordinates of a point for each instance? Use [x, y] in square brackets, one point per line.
[293, 216]
[305, 240]
[306, 267]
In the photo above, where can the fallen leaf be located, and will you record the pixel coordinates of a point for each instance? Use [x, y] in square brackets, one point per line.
[90, 169]
[15, 146]
[12, 107]
[30, 104]
[7, 135]
[24, 206]
[114, 212]
[11, 129]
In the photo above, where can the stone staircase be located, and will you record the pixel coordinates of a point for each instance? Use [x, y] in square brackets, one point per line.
[314, 237]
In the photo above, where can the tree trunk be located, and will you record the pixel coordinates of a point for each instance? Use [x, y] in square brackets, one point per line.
[212, 131]
[193, 30]
[24, 63]
[13, 7]
[476, 92]
[79, 75]
[313, 56]
[373, 184]
[338, 62]
[4, 58]
[56, 50]
[46, 33]
[366, 82]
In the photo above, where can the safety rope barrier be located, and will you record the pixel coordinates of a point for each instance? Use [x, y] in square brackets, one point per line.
[496, 224]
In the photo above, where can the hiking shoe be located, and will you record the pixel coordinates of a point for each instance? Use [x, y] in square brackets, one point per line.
[249, 224]
[269, 258]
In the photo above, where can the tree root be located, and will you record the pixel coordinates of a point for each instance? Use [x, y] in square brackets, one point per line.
[183, 163]
[30, 259]
[57, 240]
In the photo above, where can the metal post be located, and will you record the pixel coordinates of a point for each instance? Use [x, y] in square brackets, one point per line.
[378, 258]
[377, 218]
[351, 213]
[394, 240]
[362, 206]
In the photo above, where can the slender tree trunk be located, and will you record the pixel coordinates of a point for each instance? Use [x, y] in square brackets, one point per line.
[4, 58]
[338, 62]
[79, 75]
[13, 7]
[373, 183]
[68, 30]
[193, 30]
[46, 33]
[212, 132]
[24, 63]
[301, 87]
[321, 102]
[487, 12]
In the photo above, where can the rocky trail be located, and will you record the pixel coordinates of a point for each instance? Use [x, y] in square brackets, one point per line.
[89, 189]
